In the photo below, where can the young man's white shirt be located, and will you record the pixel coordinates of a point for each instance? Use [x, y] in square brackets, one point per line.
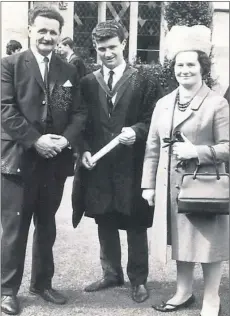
[118, 73]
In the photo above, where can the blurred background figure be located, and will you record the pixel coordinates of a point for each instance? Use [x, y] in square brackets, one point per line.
[13, 47]
[66, 50]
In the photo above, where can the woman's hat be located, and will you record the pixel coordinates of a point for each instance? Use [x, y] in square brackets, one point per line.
[188, 38]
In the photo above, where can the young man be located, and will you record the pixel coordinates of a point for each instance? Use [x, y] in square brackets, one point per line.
[65, 48]
[41, 120]
[119, 99]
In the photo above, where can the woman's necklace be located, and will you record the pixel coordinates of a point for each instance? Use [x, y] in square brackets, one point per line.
[182, 106]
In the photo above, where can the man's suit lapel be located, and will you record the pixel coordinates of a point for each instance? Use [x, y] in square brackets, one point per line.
[123, 83]
[54, 72]
[71, 57]
[33, 67]
[119, 88]
[103, 90]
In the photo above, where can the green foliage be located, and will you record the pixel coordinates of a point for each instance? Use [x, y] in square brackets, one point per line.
[176, 13]
[188, 13]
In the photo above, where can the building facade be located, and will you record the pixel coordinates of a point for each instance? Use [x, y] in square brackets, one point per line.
[143, 21]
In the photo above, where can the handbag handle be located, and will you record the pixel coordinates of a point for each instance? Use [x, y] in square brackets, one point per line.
[213, 154]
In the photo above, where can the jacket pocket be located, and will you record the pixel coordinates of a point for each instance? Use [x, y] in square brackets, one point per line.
[11, 155]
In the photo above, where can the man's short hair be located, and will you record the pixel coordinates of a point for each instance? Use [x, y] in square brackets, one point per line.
[12, 46]
[46, 12]
[67, 41]
[107, 30]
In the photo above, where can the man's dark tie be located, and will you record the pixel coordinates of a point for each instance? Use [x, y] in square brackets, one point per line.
[109, 99]
[110, 81]
[47, 94]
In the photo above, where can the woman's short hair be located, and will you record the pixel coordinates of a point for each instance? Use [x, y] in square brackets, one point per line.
[204, 60]
[67, 41]
[46, 12]
[12, 46]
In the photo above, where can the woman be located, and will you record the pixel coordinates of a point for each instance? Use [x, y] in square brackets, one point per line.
[13, 47]
[202, 118]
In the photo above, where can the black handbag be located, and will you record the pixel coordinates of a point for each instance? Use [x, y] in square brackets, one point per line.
[204, 193]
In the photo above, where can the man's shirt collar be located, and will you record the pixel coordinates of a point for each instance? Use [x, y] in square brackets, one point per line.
[119, 70]
[39, 57]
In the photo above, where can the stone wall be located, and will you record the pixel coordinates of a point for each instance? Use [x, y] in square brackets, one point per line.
[220, 40]
[14, 19]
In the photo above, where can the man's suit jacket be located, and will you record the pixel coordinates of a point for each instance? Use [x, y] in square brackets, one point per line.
[114, 183]
[78, 63]
[24, 110]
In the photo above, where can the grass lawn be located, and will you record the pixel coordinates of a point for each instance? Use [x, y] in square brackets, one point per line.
[77, 264]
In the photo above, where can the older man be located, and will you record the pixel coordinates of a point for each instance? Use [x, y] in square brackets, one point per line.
[42, 120]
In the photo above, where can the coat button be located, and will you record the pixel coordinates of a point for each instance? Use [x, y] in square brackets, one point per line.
[18, 170]
[177, 186]
[43, 102]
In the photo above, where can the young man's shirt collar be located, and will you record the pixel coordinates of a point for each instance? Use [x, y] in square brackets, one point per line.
[118, 71]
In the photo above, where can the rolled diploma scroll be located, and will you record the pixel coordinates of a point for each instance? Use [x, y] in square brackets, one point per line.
[106, 149]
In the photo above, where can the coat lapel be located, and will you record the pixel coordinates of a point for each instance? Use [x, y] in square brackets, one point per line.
[195, 104]
[54, 72]
[71, 57]
[33, 67]
[99, 77]
[119, 88]
[122, 84]
[103, 90]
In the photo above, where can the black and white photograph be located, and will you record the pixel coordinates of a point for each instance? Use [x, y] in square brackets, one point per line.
[115, 158]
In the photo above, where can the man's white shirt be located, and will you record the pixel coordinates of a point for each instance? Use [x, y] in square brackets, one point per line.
[40, 60]
[118, 73]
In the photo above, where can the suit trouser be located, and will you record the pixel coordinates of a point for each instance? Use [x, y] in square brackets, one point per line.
[110, 254]
[39, 196]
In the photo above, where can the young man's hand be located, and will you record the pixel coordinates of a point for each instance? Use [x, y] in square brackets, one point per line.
[87, 160]
[128, 136]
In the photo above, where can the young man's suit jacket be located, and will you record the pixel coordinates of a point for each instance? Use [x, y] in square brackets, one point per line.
[24, 111]
[114, 184]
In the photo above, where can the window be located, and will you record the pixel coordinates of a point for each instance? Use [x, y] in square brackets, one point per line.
[148, 38]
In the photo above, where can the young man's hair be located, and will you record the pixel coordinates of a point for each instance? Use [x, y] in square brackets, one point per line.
[107, 30]
[67, 41]
[12, 46]
[46, 12]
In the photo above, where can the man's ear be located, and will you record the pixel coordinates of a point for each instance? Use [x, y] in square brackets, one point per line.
[124, 43]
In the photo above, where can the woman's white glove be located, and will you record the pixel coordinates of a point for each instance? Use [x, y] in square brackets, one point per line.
[149, 195]
[184, 150]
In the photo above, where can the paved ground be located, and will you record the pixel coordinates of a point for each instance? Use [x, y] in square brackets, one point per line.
[77, 264]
